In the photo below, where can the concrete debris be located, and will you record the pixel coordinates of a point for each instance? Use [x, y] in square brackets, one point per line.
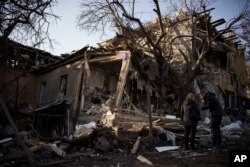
[90, 125]
[226, 120]
[207, 121]
[170, 136]
[94, 110]
[108, 118]
[167, 148]
[231, 128]
[84, 130]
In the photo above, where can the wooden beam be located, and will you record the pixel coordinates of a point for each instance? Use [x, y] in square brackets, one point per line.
[218, 22]
[77, 99]
[208, 10]
[122, 79]
[136, 145]
[106, 58]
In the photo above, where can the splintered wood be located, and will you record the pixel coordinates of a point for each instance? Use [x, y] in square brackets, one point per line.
[122, 79]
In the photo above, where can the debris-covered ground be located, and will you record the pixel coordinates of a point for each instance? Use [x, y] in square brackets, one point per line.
[119, 157]
[126, 144]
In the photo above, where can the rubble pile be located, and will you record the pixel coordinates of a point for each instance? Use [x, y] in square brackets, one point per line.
[125, 132]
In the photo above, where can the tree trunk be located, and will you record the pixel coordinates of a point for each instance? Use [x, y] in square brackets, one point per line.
[18, 137]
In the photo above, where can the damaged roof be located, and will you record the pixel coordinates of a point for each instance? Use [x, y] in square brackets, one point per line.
[26, 58]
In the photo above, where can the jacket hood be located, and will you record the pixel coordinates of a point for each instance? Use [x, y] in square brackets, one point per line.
[210, 94]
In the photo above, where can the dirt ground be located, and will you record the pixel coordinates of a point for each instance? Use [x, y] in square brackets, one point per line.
[120, 158]
[218, 159]
[177, 158]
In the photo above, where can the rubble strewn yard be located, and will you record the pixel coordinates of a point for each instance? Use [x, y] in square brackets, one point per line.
[126, 144]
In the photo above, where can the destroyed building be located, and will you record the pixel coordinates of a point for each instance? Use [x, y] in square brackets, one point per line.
[62, 88]
[223, 70]
[116, 86]
[81, 79]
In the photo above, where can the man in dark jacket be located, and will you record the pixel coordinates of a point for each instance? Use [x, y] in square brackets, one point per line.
[190, 115]
[216, 110]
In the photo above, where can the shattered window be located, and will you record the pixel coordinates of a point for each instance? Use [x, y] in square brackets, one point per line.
[42, 92]
[63, 84]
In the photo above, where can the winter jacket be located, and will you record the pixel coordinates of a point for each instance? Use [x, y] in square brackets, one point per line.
[190, 113]
[213, 104]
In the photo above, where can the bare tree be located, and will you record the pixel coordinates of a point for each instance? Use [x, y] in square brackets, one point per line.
[26, 21]
[191, 6]
[188, 23]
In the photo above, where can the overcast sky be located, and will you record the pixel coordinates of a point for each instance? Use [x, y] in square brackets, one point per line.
[69, 37]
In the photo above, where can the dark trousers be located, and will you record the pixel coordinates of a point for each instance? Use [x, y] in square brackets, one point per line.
[215, 130]
[189, 135]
